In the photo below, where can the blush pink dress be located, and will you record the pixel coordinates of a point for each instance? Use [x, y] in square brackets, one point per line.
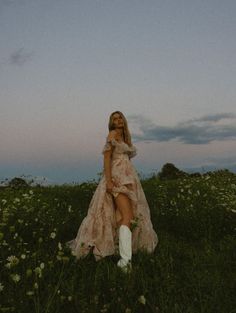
[99, 230]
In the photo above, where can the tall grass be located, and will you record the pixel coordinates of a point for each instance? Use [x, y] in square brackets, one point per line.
[192, 269]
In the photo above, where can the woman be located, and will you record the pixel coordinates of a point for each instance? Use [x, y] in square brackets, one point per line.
[118, 219]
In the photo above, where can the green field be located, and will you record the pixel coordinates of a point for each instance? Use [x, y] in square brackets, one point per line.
[193, 268]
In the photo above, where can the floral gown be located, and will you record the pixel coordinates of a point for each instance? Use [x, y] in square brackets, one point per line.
[99, 229]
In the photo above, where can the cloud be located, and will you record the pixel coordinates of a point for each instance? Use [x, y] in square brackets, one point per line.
[19, 57]
[222, 160]
[215, 117]
[8, 4]
[201, 130]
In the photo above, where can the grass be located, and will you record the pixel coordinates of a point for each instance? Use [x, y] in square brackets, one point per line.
[192, 269]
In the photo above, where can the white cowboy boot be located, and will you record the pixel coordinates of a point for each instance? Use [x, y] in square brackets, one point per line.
[125, 248]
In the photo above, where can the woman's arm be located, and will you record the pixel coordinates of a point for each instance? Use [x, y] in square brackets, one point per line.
[107, 165]
[107, 157]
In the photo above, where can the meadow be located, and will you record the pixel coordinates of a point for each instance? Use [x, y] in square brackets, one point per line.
[191, 271]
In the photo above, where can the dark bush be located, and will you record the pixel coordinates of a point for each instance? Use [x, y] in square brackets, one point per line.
[18, 182]
[170, 171]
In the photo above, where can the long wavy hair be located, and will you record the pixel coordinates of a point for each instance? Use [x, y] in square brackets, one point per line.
[126, 132]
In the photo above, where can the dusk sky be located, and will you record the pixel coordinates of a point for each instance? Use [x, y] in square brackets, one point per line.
[66, 65]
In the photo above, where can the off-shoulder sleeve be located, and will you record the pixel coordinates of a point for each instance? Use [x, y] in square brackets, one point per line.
[110, 143]
[132, 152]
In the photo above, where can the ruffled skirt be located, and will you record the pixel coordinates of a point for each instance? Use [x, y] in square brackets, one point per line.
[99, 229]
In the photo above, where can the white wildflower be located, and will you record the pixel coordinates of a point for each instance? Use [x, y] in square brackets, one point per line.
[13, 260]
[30, 293]
[142, 299]
[15, 277]
[1, 287]
[53, 235]
[38, 271]
[42, 265]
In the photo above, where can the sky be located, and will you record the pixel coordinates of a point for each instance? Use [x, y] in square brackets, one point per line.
[65, 65]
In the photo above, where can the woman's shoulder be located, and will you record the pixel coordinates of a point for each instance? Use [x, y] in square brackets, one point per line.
[112, 135]
[110, 141]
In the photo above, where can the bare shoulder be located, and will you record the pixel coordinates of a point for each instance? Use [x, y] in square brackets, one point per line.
[109, 147]
[112, 135]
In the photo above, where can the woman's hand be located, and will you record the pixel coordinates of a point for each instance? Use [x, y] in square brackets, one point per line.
[109, 185]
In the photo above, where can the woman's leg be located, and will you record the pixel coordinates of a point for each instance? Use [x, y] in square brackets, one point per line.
[123, 204]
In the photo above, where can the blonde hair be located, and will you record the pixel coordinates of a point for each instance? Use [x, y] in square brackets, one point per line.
[126, 132]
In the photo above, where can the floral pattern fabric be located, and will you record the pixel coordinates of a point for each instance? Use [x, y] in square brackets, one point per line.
[99, 229]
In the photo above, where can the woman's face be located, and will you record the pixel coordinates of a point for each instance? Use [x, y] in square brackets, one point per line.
[118, 120]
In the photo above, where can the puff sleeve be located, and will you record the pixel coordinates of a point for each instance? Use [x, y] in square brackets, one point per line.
[109, 145]
[132, 152]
